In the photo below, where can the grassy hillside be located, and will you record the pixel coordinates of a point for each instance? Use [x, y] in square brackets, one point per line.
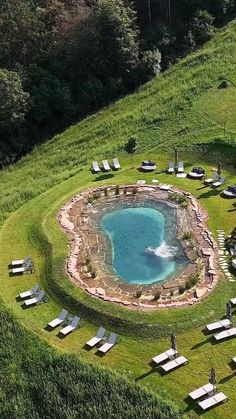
[183, 106]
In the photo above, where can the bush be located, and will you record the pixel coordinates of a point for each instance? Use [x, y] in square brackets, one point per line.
[182, 289]
[138, 293]
[157, 295]
[117, 190]
[187, 235]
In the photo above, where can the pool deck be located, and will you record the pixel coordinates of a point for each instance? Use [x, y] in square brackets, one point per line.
[88, 249]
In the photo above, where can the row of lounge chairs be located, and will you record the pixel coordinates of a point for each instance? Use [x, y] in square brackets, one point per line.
[203, 393]
[32, 296]
[21, 266]
[169, 360]
[106, 167]
[74, 323]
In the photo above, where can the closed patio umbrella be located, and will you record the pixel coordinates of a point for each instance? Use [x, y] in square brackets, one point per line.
[212, 378]
[173, 342]
[229, 311]
[219, 168]
[176, 155]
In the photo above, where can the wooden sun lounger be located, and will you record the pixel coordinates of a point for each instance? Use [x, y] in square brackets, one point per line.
[171, 167]
[95, 166]
[35, 300]
[60, 319]
[177, 362]
[180, 168]
[109, 344]
[225, 334]
[29, 293]
[106, 165]
[164, 356]
[222, 324]
[218, 183]
[213, 401]
[99, 336]
[20, 261]
[71, 327]
[201, 391]
[116, 163]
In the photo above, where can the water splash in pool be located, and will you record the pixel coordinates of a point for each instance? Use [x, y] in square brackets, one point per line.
[164, 251]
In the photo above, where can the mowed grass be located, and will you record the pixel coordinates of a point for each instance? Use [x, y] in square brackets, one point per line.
[33, 230]
[183, 106]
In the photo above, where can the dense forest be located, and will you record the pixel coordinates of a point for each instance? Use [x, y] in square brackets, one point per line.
[63, 59]
[38, 383]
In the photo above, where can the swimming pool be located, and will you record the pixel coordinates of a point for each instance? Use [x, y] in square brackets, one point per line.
[143, 241]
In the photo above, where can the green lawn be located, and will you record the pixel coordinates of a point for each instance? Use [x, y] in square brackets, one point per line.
[33, 230]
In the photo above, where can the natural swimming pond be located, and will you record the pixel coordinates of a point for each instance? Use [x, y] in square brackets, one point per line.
[144, 245]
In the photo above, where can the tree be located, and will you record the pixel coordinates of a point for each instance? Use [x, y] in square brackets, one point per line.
[13, 100]
[202, 26]
[131, 147]
[117, 37]
[149, 66]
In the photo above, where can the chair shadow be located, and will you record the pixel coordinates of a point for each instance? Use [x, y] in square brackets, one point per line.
[204, 342]
[100, 354]
[48, 328]
[15, 274]
[146, 374]
[210, 193]
[18, 299]
[232, 210]
[229, 377]
[104, 176]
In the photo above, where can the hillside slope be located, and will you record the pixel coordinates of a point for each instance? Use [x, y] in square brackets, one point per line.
[184, 106]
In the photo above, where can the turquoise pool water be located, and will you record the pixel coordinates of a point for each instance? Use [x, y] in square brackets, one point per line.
[141, 253]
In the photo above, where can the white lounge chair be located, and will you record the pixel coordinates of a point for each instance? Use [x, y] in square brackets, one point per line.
[99, 336]
[213, 401]
[164, 356]
[222, 324]
[202, 391]
[96, 168]
[234, 359]
[116, 163]
[106, 165]
[233, 301]
[35, 299]
[218, 182]
[71, 327]
[212, 179]
[171, 167]
[20, 261]
[29, 293]
[22, 269]
[177, 362]
[180, 168]
[60, 319]
[225, 334]
[109, 344]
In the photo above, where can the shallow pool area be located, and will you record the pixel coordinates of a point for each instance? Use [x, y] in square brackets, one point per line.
[143, 240]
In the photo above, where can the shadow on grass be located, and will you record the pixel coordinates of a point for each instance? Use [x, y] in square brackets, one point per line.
[146, 374]
[232, 210]
[103, 176]
[204, 342]
[209, 194]
[229, 377]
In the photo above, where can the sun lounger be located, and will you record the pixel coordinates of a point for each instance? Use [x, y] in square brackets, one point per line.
[234, 359]
[225, 334]
[35, 299]
[96, 168]
[116, 163]
[106, 165]
[60, 319]
[164, 356]
[201, 392]
[20, 261]
[180, 168]
[109, 344]
[218, 182]
[171, 167]
[212, 401]
[222, 324]
[211, 179]
[99, 336]
[71, 327]
[22, 269]
[177, 362]
[233, 301]
[29, 293]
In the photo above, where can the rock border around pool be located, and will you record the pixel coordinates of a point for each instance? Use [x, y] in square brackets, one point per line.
[88, 264]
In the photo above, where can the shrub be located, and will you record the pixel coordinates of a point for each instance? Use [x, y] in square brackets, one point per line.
[181, 289]
[106, 192]
[138, 293]
[117, 190]
[157, 295]
[135, 190]
[187, 235]
[171, 293]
